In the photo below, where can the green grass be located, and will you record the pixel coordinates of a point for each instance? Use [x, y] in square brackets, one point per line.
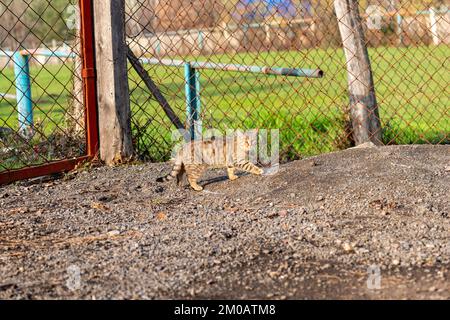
[51, 94]
[411, 84]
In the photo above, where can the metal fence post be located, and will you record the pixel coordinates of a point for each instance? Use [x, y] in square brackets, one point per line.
[89, 76]
[192, 88]
[23, 92]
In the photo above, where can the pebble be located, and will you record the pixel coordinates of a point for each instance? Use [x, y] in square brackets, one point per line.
[347, 247]
[283, 213]
[212, 249]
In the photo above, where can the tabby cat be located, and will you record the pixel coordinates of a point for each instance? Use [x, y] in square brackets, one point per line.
[197, 155]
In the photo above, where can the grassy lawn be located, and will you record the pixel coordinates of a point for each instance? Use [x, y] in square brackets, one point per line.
[411, 84]
[51, 93]
[52, 96]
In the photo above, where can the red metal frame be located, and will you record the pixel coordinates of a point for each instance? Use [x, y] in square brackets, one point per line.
[90, 101]
[89, 78]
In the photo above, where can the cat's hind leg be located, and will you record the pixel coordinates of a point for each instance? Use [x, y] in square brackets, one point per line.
[181, 176]
[194, 172]
[249, 167]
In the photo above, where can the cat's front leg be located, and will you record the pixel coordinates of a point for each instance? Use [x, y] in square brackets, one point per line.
[231, 175]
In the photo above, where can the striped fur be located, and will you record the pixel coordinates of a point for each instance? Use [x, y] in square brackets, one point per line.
[196, 156]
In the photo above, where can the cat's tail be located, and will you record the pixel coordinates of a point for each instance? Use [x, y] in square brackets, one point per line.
[178, 166]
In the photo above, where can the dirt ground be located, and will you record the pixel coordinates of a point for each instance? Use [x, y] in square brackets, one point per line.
[358, 224]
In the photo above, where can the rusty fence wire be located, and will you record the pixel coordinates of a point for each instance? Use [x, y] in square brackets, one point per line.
[254, 64]
[41, 90]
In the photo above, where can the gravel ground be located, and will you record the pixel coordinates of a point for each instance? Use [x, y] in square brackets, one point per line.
[310, 231]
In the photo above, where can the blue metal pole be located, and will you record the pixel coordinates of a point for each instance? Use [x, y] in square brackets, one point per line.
[293, 72]
[188, 93]
[192, 89]
[197, 115]
[23, 91]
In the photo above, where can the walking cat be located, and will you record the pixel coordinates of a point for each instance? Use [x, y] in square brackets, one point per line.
[197, 155]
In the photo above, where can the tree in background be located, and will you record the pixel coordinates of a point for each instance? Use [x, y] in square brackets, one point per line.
[12, 30]
[29, 23]
[187, 14]
[48, 20]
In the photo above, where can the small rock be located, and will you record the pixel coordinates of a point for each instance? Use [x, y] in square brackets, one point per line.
[161, 216]
[326, 266]
[347, 247]
[362, 251]
[273, 274]
[283, 213]
[113, 233]
[320, 198]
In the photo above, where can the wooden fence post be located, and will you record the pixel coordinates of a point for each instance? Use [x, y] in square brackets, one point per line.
[363, 103]
[112, 84]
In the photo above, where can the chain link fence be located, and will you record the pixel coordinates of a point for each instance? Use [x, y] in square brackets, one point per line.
[242, 53]
[42, 108]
